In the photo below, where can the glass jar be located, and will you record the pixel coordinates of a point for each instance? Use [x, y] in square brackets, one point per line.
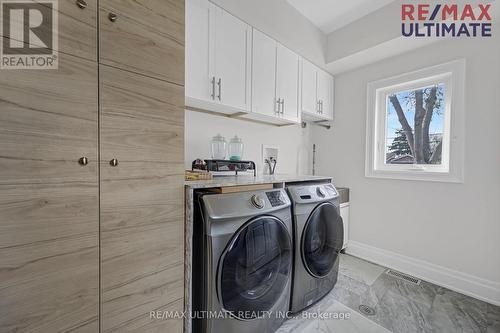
[218, 147]
[235, 149]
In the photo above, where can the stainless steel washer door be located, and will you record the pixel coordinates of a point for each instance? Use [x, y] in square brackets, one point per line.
[322, 239]
[255, 267]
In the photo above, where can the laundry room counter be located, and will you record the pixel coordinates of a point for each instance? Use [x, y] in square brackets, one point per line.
[276, 181]
[226, 181]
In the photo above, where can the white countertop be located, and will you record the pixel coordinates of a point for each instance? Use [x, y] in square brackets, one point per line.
[225, 181]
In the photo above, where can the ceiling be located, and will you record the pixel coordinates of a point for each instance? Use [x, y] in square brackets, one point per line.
[330, 15]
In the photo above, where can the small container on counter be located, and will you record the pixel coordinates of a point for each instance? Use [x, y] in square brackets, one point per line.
[235, 149]
[218, 147]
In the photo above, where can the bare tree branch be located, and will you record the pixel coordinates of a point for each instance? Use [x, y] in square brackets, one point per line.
[430, 103]
[404, 123]
[419, 118]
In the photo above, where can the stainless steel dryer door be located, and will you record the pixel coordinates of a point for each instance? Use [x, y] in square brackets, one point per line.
[322, 239]
[255, 268]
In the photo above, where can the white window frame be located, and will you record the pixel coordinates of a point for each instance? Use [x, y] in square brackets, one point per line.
[451, 169]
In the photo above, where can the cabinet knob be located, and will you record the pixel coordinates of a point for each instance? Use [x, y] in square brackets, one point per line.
[83, 161]
[113, 162]
[81, 4]
[112, 17]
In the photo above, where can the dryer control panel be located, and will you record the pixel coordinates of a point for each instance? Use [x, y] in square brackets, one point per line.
[312, 193]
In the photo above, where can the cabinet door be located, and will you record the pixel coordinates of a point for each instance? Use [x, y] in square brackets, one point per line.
[142, 205]
[146, 37]
[232, 60]
[49, 220]
[264, 100]
[288, 82]
[198, 82]
[76, 33]
[309, 86]
[325, 94]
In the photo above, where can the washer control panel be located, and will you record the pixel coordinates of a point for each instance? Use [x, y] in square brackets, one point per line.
[276, 198]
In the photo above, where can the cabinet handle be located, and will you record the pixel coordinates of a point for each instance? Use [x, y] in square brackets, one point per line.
[220, 88]
[213, 88]
[113, 162]
[83, 161]
[278, 106]
[81, 4]
[112, 17]
[317, 106]
[282, 106]
[321, 106]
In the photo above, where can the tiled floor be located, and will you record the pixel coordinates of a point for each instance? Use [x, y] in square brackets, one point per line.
[400, 306]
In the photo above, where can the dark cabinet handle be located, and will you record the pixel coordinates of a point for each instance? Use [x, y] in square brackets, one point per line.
[112, 17]
[83, 161]
[81, 4]
[113, 162]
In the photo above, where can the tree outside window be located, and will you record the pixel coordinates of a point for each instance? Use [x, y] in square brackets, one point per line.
[414, 133]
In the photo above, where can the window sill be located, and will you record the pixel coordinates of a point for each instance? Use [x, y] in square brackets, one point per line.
[431, 176]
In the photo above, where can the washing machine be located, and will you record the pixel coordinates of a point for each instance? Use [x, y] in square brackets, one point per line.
[318, 238]
[242, 265]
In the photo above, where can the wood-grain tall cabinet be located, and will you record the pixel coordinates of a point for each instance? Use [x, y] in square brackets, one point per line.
[91, 174]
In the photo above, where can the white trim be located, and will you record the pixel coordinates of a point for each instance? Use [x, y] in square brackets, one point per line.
[452, 74]
[483, 289]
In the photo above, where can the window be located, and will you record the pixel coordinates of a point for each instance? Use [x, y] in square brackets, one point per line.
[415, 125]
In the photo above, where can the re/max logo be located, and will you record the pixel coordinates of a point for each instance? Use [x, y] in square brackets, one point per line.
[424, 20]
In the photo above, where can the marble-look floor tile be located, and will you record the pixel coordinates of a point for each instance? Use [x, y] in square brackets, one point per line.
[423, 293]
[493, 319]
[359, 269]
[354, 323]
[454, 312]
[351, 284]
[400, 314]
[401, 307]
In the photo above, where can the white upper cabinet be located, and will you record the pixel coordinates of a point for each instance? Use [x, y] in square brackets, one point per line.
[231, 66]
[197, 80]
[325, 94]
[275, 81]
[264, 99]
[217, 59]
[287, 80]
[317, 92]
[308, 87]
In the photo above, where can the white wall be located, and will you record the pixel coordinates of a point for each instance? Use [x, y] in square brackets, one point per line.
[283, 22]
[455, 227]
[294, 145]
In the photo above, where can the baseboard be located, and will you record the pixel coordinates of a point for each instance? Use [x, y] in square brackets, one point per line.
[485, 290]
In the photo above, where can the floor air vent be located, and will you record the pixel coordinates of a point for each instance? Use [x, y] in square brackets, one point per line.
[403, 276]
